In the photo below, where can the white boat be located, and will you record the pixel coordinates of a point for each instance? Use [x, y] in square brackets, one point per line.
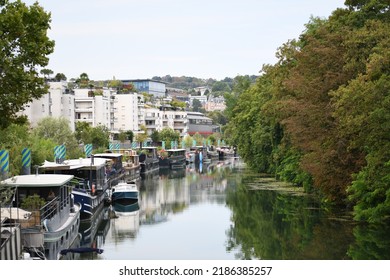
[125, 192]
[92, 178]
[55, 219]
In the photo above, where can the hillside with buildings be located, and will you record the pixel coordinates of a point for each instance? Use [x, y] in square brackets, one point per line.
[130, 105]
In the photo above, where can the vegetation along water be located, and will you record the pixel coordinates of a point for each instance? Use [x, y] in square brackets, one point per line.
[318, 118]
[226, 211]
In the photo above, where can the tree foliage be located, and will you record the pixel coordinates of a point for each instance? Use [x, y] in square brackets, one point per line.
[167, 134]
[59, 132]
[319, 117]
[24, 49]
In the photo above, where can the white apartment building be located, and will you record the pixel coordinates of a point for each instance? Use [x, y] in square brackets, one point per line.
[165, 116]
[94, 107]
[117, 112]
[58, 102]
[126, 113]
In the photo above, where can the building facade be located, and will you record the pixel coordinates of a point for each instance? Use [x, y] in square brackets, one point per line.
[199, 123]
[125, 109]
[156, 88]
[94, 107]
[58, 102]
[156, 119]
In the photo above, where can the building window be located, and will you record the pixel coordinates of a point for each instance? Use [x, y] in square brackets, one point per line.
[43, 108]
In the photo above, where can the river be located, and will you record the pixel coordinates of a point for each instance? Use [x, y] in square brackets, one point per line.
[223, 211]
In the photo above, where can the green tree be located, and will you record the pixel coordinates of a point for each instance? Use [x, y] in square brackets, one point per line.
[83, 132]
[221, 86]
[122, 136]
[100, 136]
[197, 105]
[60, 77]
[83, 81]
[17, 137]
[167, 134]
[177, 104]
[155, 136]
[47, 73]
[198, 138]
[142, 136]
[130, 135]
[59, 131]
[25, 47]
[187, 141]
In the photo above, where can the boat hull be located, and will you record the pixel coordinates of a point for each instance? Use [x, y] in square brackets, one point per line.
[89, 202]
[125, 193]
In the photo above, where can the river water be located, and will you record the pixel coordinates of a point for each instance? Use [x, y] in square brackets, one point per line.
[223, 211]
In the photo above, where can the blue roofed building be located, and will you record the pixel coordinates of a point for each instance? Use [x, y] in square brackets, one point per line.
[156, 88]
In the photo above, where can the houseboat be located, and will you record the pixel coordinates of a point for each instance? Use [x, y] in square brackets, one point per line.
[131, 164]
[172, 159]
[51, 219]
[125, 192]
[212, 153]
[149, 161]
[92, 181]
[225, 152]
[114, 166]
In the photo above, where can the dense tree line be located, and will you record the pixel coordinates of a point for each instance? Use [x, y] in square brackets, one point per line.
[320, 116]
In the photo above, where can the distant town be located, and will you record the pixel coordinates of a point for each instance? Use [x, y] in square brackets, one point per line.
[129, 105]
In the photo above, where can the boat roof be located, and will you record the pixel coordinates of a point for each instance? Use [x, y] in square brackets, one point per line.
[107, 155]
[40, 180]
[71, 164]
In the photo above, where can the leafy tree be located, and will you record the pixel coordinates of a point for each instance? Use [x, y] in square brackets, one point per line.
[196, 105]
[47, 73]
[218, 117]
[318, 116]
[100, 136]
[212, 139]
[155, 136]
[59, 131]
[83, 132]
[17, 137]
[361, 107]
[177, 103]
[60, 77]
[20, 83]
[83, 81]
[122, 136]
[198, 138]
[221, 86]
[130, 135]
[167, 134]
[142, 136]
[187, 141]
[115, 83]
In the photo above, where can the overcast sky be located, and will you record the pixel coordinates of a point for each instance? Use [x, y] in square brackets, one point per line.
[129, 39]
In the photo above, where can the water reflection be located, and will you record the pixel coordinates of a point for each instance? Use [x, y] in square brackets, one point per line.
[222, 210]
[125, 223]
[279, 225]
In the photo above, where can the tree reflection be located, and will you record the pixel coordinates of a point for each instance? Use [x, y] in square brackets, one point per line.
[275, 225]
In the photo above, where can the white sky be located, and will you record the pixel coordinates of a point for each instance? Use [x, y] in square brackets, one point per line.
[129, 39]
